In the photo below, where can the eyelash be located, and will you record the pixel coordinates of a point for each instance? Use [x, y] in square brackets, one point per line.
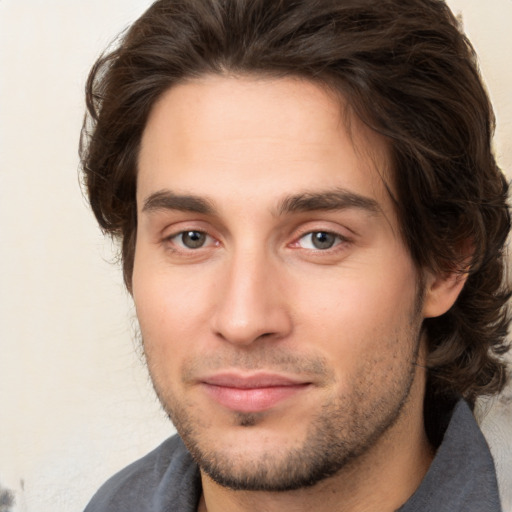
[176, 236]
[338, 239]
[176, 240]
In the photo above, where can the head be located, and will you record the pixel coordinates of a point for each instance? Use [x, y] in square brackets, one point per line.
[406, 83]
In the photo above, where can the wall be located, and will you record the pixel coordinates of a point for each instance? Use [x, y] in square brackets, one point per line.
[75, 400]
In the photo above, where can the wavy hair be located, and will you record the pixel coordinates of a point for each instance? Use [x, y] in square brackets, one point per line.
[405, 69]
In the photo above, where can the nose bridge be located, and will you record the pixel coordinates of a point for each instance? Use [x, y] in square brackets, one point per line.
[250, 303]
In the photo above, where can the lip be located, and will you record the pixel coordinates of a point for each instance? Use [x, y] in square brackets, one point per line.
[251, 393]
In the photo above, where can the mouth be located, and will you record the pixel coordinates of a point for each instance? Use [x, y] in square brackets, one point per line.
[251, 393]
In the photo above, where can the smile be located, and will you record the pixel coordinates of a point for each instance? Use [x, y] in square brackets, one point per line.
[256, 393]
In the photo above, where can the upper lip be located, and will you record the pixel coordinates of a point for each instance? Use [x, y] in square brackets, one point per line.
[251, 381]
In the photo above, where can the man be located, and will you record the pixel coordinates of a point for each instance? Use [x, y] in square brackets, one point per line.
[312, 225]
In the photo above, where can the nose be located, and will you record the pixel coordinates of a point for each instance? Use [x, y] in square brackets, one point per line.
[251, 301]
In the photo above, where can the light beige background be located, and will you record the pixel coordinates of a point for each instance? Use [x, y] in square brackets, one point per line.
[75, 402]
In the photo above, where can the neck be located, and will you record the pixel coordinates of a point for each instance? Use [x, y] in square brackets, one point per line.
[381, 479]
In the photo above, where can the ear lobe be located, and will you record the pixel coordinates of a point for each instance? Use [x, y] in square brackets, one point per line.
[441, 292]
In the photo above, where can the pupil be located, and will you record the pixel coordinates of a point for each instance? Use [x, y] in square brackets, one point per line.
[323, 240]
[193, 239]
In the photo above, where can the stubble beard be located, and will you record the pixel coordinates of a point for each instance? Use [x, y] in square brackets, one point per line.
[345, 428]
[339, 435]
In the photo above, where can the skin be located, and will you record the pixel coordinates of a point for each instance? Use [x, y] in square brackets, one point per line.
[229, 281]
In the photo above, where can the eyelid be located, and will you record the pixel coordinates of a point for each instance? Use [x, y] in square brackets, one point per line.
[172, 233]
[183, 247]
[321, 227]
[340, 239]
[169, 235]
[345, 237]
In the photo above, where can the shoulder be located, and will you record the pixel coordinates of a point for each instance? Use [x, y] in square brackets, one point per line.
[462, 476]
[166, 476]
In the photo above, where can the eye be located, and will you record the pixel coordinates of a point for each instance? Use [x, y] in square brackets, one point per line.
[191, 239]
[319, 240]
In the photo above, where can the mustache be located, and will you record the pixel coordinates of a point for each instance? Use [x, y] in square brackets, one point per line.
[272, 360]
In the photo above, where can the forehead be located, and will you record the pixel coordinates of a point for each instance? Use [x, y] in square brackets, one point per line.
[228, 136]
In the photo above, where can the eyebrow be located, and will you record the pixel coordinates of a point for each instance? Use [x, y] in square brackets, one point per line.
[338, 199]
[167, 200]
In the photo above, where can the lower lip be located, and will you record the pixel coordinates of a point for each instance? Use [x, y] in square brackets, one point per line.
[252, 399]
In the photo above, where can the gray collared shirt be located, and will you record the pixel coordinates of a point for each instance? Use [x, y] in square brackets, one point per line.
[461, 477]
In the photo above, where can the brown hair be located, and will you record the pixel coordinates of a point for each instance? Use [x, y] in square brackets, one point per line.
[405, 69]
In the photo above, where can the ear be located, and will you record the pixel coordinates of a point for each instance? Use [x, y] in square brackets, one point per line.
[441, 292]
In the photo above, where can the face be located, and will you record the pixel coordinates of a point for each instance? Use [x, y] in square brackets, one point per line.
[279, 308]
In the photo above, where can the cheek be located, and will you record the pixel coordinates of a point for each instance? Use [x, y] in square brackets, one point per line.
[172, 309]
[356, 312]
